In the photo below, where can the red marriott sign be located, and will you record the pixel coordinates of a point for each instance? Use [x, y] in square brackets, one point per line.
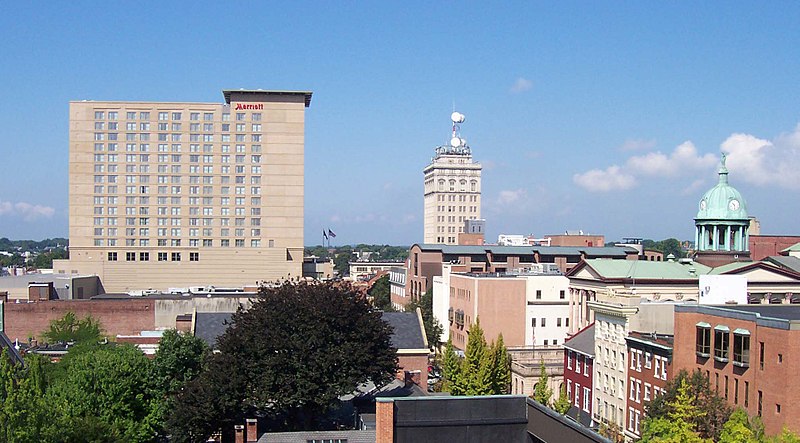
[242, 106]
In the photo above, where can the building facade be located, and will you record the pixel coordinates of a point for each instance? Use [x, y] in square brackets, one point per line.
[749, 353]
[649, 368]
[452, 189]
[183, 194]
[579, 375]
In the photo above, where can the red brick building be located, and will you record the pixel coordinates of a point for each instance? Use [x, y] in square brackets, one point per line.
[750, 353]
[763, 246]
[578, 374]
[650, 366]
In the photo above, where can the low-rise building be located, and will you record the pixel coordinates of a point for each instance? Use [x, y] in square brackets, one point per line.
[649, 368]
[579, 375]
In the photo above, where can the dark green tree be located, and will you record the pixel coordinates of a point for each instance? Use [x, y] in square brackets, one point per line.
[381, 294]
[500, 367]
[71, 329]
[290, 356]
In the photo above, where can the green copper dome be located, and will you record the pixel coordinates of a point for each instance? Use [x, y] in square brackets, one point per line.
[723, 201]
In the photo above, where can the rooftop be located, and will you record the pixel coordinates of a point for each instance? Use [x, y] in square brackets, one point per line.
[590, 252]
[408, 330]
[648, 270]
[209, 326]
[582, 341]
[227, 93]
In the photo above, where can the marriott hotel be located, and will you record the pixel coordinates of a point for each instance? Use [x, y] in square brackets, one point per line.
[166, 195]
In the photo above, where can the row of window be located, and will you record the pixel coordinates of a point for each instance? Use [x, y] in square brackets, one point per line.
[161, 256]
[722, 339]
[543, 323]
[650, 360]
[579, 358]
[561, 294]
[175, 158]
[175, 127]
[576, 398]
[162, 116]
[174, 147]
[176, 242]
[175, 137]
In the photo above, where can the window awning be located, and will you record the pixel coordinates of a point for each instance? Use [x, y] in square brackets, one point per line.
[703, 324]
[722, 328]
[741, 331]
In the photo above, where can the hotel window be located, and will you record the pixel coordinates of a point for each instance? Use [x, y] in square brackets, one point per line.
[721, 343]
[209, 116]
[130, 256]
[256, 128]
[176, 256]
[162, 256]
[112, 256]
[144, 116]
[703, 342]
[239, 243]
[240, 116]
[194, 116]
[256, 117]
[144, 256]
[194, 256]
[99, 115]
[112, 115]
[226, 117]
[163, 116]
[176, 115]
[741, 347]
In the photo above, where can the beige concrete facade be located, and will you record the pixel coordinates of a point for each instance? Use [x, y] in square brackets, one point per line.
[182, 194]
[452, 191]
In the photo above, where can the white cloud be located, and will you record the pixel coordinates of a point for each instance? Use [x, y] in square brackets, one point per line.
[633, 144]
[763, 162]
[693, 187]
[521, 85]
[597, 180]
[684, 158]
[511, 196]
[25, 210]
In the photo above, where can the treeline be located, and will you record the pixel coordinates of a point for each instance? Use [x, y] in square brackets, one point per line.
[343, 255]
[32, 245]
[667, 246]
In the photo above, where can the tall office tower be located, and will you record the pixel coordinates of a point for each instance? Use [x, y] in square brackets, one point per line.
[452, 189]
[187, 194]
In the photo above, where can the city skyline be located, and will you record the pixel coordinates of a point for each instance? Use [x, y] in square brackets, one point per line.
[606, 118]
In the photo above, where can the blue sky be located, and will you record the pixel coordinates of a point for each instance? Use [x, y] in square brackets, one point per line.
[602, 116]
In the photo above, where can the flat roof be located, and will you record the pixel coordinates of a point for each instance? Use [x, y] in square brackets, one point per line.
[227, 93]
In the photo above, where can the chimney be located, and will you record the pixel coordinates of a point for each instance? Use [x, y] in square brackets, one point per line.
[239, 431]
[252, 430]
[412, 378]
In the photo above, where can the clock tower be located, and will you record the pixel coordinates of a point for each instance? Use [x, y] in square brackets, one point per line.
[722, 224]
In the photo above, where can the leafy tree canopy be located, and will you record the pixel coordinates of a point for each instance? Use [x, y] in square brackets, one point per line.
[71, 329]
[290, 356]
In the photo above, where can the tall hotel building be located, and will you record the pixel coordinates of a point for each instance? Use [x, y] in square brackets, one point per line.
[452, 189]
[187, 194]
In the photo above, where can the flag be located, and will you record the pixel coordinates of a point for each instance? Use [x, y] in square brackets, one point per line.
[324, 234]
[331, 234]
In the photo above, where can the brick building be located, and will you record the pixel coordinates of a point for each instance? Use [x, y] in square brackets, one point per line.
[649, 368]
[763, 246]
[750, 354]
[579, 374]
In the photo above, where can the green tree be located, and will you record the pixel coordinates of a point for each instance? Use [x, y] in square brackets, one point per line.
[715, 409]
[476, 371]
[452, 380]
[433, 329]
[179, 358]
[110, 388]
[542, 393]
[563, 403]
[70, 329]
[290, 356]
[500, 367]
[677, 425]
[737, 429]
[381, 294]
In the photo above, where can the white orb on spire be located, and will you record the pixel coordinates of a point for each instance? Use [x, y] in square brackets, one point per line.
[455, 142]
[457, 117]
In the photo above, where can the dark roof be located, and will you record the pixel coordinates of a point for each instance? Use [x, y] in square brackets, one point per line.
[407, 330]
[783, 312]
[581, 416]
[211, 325]
[658, 339]
[582, 341]
[255, 92]
[608, 251]
[787, 262]
[352, 436]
